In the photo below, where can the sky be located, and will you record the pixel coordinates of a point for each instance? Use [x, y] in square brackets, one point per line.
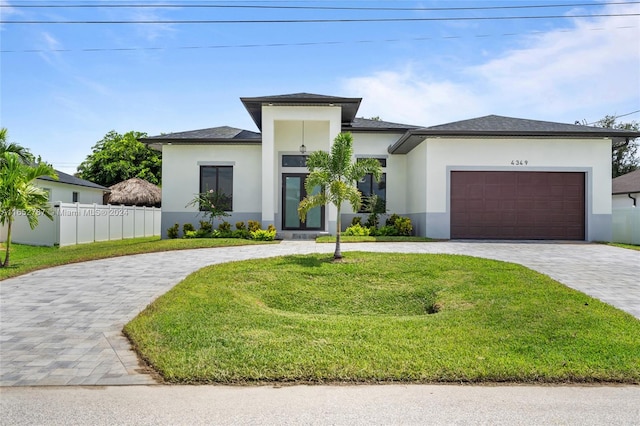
[63, 86]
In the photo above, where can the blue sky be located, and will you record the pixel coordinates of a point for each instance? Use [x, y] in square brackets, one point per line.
[58, 99]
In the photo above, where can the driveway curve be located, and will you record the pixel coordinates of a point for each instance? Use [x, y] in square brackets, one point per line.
[62, 326]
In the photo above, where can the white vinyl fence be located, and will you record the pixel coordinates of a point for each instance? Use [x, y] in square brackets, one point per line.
[86, 223]
[626, 225]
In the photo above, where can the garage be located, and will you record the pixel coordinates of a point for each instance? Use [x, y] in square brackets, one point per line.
[517, 205]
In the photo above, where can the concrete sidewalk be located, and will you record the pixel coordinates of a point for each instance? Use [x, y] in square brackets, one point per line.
[62, 326]
[322, 405]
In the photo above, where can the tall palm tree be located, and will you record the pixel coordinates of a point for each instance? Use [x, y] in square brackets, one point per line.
[23, 153]
[18, 193]
[337, 175]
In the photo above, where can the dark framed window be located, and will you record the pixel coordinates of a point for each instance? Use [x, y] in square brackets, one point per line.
[219, 180]
[369, 186]
[294, 161]
[74, 196]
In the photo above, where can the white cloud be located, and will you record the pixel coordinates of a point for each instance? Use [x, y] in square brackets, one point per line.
[558, 75]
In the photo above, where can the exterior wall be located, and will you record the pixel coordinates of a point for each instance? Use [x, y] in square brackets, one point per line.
[181, 181]
[619, 201]
[282, 132]
[63, 192]
[591, 156]
[416, 208]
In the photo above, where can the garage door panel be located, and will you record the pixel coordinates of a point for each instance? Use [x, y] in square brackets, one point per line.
[518, 205]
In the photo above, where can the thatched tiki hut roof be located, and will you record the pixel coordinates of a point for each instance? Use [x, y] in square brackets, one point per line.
[135, 192]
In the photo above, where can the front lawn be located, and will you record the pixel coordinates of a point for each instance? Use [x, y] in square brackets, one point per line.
[627, 246]
[25, 259]
[378, 317]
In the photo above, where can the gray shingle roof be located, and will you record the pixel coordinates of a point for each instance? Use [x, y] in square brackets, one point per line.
[495, 125]
[213, 134]
[72, 180]
[368, 124]
[626, 183]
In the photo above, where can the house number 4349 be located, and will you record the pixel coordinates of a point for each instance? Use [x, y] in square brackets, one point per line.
[519, 162]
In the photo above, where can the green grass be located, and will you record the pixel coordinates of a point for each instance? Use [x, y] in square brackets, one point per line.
[366, 319]
[371, 239]
[627, 246]
[25, 259]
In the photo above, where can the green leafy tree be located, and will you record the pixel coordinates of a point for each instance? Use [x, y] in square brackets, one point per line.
[337, 175]
[19, 194]
[624, 157]
[5, 146]
[120, 157]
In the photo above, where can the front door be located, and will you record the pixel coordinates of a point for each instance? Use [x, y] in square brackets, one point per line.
[292, 193]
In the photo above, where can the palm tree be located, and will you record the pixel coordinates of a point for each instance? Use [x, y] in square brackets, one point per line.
[24, 154]
[337, 175]
[18, 193]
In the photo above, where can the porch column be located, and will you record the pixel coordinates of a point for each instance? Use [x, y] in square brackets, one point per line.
[268, 169]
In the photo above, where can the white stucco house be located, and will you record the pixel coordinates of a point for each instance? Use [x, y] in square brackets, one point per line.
[625, 190]
[491, 177]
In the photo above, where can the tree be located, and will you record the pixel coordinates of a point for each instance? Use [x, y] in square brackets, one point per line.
[623, 153]
[337, 175]
[22, 152]
[19, 194]
[117, 158]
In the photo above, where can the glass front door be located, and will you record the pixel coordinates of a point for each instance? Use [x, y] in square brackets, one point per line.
[293, 192]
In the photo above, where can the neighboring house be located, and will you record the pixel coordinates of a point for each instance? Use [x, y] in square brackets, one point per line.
[491, 177]
[625, 190]
[70, 189]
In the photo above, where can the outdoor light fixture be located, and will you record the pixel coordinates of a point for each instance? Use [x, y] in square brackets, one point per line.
[303, 148]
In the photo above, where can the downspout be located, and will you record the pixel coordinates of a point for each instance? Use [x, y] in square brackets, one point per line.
[633, 198]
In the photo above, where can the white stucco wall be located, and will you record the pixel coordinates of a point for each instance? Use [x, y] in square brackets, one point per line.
[64, 192]
[181, 174]
[417, 176]
[622, 200]
[376, 145]
[591, 156]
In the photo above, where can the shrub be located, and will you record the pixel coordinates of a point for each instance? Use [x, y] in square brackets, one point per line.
[187, 227]
[241, 233]
[205, 226]
[240, 225]
[388, 231]
[264, 235]
[173, 231]
[403, 226]
[391, 220]
[356, 230]
[271, 228]
[253, 225]
[224, 226]
[357, 220]
[191, 234]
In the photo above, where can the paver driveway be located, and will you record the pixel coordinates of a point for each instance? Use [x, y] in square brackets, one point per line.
[62, 326]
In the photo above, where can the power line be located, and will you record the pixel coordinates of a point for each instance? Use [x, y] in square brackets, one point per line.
[270, 45]
[247, 6]
[316, 21]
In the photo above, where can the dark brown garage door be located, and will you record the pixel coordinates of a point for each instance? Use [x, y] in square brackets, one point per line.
[517, 205]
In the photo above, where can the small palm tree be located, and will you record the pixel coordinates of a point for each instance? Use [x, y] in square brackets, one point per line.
[18, 193]
[337, 175]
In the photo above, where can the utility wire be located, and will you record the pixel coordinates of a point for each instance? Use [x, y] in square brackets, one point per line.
[317, 43]
[247, 6]
[316, 21]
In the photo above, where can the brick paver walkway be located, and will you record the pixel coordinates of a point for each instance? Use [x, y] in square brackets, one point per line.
[62, 326]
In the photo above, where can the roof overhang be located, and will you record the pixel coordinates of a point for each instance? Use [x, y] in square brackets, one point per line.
[254, 105]
[414, 137]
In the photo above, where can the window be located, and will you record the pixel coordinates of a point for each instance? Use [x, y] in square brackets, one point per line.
[294, 161]
[74, 196]
[218, 179]
[368, 186]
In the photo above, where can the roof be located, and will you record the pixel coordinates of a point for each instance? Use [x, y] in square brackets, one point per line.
[254, 105]
[222, 134]
[137, 192]
[495, 125]
[626, 184]
[72, 180]
[365, 124]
